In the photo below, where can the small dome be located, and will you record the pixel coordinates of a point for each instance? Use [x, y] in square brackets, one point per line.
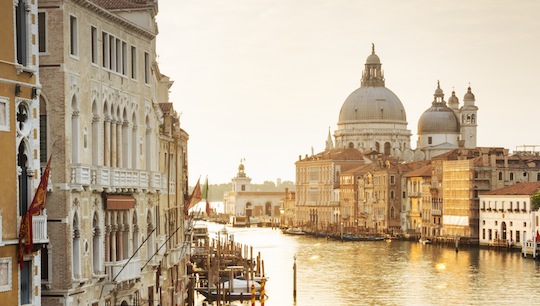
[438, 119]
[369, 104]
[453, 99]
[469, 96]
[373, 59]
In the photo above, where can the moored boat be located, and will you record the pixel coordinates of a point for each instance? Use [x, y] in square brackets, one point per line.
[294, 231]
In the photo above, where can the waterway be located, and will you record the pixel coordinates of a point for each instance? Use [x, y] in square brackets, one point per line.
[331, 272]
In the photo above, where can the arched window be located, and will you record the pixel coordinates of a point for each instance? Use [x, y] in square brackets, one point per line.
[377, 147]
[135, 233]
[148, 149]
[351, 145]
[134, 143]
[75, 132]
[95, 134]
[511, 176]
[392, 212]
[150, 232]
[125, 140]
[76, 248]
[268, 209]
[387, 148]
[500, 176]
[42, 130]
[96, 244]
[24, 178]
[106, 135]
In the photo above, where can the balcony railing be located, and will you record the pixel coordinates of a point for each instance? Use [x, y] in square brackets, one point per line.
[39, 228]
[173, 257]
[131, 271]
[116, 178]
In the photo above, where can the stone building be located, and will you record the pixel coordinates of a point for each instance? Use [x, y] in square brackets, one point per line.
[103, 116]
[317, 186]
[460, 176]
[19, 150]
[173, 164]
[259, 206]
[419, 207]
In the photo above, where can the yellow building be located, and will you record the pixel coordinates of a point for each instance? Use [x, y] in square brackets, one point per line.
[19, 150]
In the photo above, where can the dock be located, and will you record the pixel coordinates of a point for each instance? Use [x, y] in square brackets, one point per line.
[224, 271]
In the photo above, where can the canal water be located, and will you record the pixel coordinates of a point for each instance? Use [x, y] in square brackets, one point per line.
[331, 272]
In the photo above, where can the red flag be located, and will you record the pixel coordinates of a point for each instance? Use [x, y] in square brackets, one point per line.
[194, 198]
[26, 241]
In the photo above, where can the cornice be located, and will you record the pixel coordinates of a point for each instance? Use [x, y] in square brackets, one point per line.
[106, 13]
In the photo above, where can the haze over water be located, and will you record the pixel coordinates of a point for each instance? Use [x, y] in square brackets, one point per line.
[388, 273]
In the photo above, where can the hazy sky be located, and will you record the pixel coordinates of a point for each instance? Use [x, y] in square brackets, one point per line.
[264, 80]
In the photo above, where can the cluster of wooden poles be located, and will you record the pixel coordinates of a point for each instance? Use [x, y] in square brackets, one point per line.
[216, 260]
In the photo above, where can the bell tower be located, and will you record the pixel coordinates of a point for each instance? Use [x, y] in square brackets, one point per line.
[468, 120]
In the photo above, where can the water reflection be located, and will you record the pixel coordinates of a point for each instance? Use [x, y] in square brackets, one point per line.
[388, 273]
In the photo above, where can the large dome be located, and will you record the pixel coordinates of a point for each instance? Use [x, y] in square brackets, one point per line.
[372, 104]
[439, 119]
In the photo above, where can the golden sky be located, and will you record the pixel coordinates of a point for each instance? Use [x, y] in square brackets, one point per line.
[264, 80]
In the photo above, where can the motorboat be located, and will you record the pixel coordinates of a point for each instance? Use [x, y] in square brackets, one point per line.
[237, 290]
[294, 231]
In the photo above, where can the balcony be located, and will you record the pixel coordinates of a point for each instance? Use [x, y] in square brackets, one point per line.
[436, 212]
[115, 179]
[130, 272]
[174, 256]
[39, 228]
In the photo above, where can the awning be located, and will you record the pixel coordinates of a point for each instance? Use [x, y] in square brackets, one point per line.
[119, 202]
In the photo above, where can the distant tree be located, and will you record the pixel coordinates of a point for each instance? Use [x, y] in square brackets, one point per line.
[535, 201]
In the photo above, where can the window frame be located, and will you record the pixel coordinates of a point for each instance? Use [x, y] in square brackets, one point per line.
[73, 36]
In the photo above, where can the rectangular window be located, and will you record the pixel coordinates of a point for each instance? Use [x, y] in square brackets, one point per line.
[490, 234]
[517, 236]
[105, 51]
[484, 234]
[146, 67]
[4, 115]
[42, 32]
[430, 140]
[93, 41]
[112, 52]
[73, 39]
[118, 56]
[21, 30]
[26, 283]
[392, 180]
[133, 62]
[124, 58]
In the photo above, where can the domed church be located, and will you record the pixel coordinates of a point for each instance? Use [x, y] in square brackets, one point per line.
[372, 117]
[442, 128]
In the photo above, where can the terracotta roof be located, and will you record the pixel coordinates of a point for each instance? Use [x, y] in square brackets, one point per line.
[422, 172]
[527, 188]
[337, 154]
[121, 4]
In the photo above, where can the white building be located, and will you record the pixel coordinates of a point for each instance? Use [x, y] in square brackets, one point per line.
[441, 128]
[372, 117]
[243, 201]
[506, 215]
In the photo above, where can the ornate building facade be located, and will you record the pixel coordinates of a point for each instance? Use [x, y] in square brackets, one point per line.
[114, 202]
